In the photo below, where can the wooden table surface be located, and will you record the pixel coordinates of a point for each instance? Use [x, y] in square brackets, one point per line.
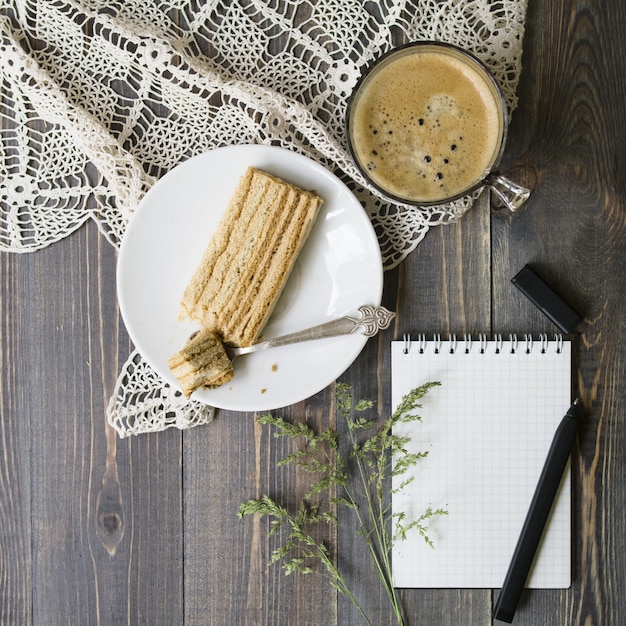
[100, 530]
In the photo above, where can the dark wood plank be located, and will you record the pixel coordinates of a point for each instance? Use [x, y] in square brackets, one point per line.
[106, 514]
[571, 126]
[227, 578]
[15, 472]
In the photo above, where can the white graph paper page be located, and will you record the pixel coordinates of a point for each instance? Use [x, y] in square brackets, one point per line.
[487, 430]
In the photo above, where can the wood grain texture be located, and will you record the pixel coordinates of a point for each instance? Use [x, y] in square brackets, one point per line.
[227, 577]
[100, 534]
[571, 126]
[98, 530]
[15, 471]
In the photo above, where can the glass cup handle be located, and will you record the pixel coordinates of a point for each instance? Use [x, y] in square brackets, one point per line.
[512, 195]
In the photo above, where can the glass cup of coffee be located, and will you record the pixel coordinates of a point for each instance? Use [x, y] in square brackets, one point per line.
[427, 124]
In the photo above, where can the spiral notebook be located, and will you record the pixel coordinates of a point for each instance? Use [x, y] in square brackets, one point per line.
[487, 429]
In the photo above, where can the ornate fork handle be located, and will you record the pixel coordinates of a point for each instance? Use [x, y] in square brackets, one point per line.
[372, 320]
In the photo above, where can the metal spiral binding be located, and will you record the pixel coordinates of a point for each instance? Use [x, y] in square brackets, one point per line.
[422, 343]
[482, 340]
[437, 340]
[407, 343]
[498, 340]
[468, 343]
[527, 345]
[452, 342]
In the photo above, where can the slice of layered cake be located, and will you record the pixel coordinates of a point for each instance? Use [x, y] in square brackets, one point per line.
[203, 362]
[249, 258]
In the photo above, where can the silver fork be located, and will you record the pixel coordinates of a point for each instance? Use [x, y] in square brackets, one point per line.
[372, 319]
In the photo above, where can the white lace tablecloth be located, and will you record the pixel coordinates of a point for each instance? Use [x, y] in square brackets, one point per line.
[101, 97]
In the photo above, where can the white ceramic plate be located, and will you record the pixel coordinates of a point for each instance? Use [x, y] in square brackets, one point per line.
[339, 269]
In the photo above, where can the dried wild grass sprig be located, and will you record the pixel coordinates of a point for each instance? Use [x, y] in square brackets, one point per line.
[354, 474]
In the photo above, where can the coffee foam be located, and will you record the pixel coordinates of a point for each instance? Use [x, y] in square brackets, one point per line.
[426, 126]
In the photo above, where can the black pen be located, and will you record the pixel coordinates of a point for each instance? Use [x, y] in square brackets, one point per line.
[538, 513]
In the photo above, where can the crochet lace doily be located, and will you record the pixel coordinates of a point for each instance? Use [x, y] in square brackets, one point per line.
[101, 97]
